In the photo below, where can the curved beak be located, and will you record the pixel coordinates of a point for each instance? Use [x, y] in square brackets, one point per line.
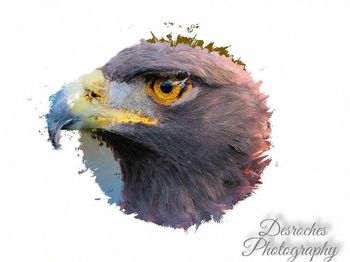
[85, 104]
[59, 116]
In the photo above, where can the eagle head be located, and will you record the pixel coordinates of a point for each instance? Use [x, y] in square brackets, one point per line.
[188, 125]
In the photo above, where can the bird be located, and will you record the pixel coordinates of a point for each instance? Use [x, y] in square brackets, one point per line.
[186, 122]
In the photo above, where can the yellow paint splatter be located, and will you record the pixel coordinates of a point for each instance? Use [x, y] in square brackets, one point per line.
[122, 116]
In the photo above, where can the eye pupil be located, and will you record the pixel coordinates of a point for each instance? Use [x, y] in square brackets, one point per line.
[166, 87]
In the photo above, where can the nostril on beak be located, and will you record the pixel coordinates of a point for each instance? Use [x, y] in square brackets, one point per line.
[91, 94]
[94, 94]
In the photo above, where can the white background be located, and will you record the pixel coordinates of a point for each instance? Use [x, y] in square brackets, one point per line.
[299, 49]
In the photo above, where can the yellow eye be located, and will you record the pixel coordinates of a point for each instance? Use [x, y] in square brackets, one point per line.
[166, 91]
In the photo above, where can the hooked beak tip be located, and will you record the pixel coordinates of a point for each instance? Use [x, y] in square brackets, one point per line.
[59, 117]
[55, 131]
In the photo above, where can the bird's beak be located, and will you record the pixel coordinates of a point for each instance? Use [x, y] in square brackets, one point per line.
[84, 104]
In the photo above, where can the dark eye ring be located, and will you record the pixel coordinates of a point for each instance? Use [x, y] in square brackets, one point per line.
[182, 75]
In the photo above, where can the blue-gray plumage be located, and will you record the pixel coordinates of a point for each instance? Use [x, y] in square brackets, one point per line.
[189, 128]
